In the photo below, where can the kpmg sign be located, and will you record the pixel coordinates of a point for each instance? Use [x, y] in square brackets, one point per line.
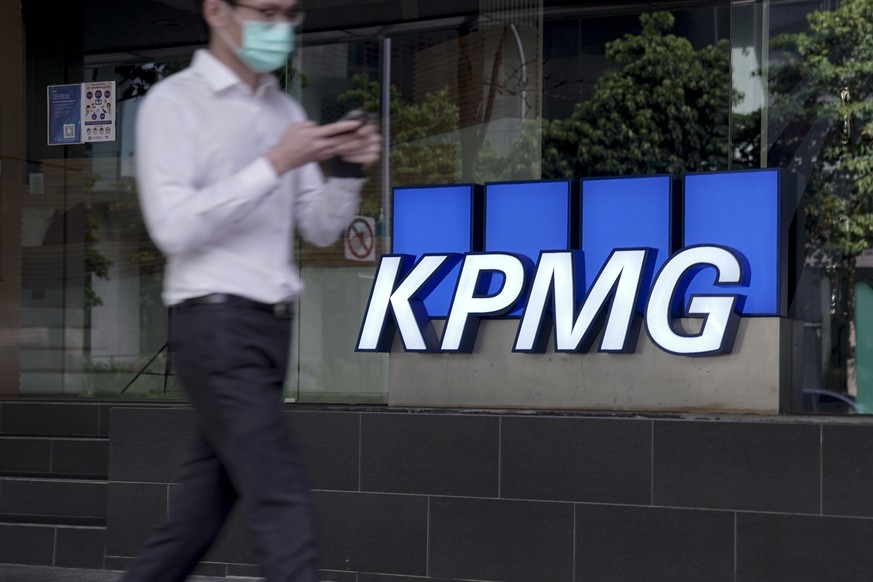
[581, 261]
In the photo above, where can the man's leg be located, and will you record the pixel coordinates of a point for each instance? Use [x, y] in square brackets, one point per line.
[239, 407]
[199, 506]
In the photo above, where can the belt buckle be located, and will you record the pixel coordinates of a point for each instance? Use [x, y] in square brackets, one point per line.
[283, 310]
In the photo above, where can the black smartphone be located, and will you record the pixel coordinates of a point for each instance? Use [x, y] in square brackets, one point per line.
[355, 115]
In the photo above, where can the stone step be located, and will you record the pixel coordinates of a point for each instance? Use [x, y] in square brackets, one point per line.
[53, 418]
[53, 501]
[66, 546]
[68, 457]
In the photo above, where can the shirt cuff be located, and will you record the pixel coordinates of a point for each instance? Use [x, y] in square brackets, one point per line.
[259, 176]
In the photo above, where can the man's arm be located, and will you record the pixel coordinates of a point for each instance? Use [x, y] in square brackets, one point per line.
[322, 209]
[180, 214]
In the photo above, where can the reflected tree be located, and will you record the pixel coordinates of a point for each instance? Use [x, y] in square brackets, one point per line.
[424, 145]
[663, 109]
[822, 107]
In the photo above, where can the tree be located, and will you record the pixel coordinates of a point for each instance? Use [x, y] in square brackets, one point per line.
[822, 94]
[824, 91]
[664, 109]
[423, 136]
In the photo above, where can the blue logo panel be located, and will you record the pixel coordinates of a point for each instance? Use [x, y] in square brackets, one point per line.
[437, 219]
[526, 218]
[738, 210]
[625, 213]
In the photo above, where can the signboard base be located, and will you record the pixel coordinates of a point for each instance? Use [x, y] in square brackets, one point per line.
[751, 379]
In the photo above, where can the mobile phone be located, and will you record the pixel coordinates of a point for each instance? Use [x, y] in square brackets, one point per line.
[355, 115]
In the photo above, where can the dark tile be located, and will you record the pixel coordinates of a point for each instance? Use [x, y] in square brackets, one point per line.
[25, 455]
[329, 443]
[57, 498]
[372, 533]
[210, 569]
[134, 510]
[785, 548]
[148, 445]
[103, 419]
[390, 578]
[433, 454]
[244, 570]
[344, 576]
[653, 544]
[80, 457]
[52, 574]
[746, 466]
[50, 419]
[576, 459]
[116, 563]
[106, 411]
[510, 541]
[27, 545]
[847, 470]
[80, 547]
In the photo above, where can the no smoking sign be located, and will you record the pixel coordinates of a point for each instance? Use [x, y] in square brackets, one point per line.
[361, 239]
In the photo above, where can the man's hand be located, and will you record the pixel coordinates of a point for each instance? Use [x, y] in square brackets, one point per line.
[307, 142]
[364, 146]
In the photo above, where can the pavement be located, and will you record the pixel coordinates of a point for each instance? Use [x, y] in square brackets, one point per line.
[42, 574]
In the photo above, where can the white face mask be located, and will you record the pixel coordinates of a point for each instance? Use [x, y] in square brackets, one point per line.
[265, 45]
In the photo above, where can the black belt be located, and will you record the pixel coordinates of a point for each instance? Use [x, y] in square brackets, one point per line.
[283, 309]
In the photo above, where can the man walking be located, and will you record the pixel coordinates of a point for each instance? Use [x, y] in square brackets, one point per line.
[227, 167]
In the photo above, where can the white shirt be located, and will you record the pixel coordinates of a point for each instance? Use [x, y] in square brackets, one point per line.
[212, 202]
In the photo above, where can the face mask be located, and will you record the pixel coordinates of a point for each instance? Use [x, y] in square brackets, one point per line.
[265, 45]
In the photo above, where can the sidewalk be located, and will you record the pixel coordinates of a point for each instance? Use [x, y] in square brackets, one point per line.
[42, 574]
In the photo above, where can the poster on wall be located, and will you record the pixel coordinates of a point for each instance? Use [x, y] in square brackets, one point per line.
[64, 114]
[98, 111]
[81, 113]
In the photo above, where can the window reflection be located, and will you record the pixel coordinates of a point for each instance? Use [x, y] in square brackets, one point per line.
[819, 131]
[504, 91]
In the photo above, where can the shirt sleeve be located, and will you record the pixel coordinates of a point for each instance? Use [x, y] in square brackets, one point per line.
[324, 208]
[180, 213]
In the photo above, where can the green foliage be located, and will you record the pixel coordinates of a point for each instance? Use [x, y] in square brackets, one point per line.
[823, 94]
[423, 136]
[96, 263]
[664, 108]
[522, 162]
[138, 79]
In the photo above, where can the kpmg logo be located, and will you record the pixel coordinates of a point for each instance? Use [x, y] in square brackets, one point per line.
[578, 262]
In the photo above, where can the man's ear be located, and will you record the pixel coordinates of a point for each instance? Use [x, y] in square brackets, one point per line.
[214, 13]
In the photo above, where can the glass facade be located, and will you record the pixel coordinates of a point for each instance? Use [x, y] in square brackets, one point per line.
[470, 91]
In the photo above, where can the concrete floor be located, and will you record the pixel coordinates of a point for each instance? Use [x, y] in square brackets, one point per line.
[41, 574]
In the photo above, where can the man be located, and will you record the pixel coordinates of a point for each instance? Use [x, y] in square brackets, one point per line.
[226, 166]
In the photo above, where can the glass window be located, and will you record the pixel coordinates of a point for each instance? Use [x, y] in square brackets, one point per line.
[818, 130]
[470, 91]
[335, 78]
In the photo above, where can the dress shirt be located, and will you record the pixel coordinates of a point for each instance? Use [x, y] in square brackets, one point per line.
[211, 200]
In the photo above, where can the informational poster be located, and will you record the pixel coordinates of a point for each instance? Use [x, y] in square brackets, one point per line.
[81, 113]
[64, 114]
[98, 111]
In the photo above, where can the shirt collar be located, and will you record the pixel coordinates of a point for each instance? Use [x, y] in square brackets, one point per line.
[220, 77]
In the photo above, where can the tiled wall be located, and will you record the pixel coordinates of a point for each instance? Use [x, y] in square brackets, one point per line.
[404, 496]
